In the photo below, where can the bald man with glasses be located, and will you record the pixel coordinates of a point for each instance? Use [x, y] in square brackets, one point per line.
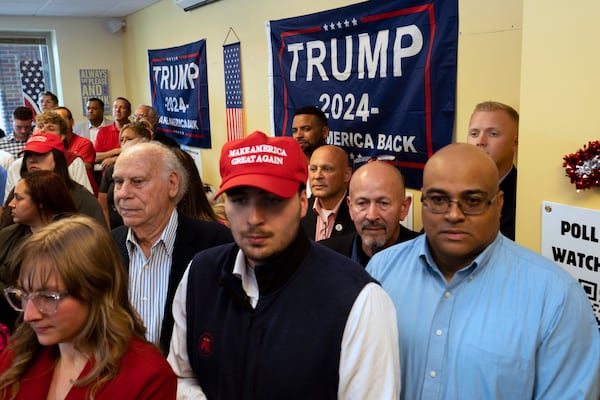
[479, 316]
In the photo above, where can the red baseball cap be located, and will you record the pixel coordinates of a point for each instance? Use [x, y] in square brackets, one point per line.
[43, 142]
[274, 164]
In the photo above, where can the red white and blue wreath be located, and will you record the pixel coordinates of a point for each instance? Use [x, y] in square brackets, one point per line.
[583, 167]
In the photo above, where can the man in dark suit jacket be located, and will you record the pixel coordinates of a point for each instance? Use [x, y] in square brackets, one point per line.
[342, 224]
[377, 203]
[494, 127]
[507, 219]
[156, 243]
[328, 173]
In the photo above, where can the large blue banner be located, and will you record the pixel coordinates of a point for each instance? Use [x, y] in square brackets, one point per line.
[383, 72]
[179, 87]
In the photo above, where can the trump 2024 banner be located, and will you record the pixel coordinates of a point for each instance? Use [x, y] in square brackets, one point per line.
[384, 73]
[179, 87]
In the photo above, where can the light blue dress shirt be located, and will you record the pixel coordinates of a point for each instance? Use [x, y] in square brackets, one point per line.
[512, 325]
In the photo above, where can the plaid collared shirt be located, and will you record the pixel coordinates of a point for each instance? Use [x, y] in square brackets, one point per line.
[12, 145]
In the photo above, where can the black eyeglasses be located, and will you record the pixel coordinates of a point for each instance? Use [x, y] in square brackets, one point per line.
[45, 301]
[468, 205]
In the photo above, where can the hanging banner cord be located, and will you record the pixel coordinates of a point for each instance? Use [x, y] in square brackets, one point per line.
[227, 36]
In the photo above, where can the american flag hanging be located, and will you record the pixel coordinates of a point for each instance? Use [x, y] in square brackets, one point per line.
[32, 83]
[233, 91]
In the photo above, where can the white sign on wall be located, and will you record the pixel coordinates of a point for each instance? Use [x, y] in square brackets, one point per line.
[571, 238]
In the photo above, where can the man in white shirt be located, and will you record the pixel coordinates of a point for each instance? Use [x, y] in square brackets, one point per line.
[95, 120]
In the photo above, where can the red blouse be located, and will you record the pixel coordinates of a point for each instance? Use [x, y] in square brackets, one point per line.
[143, 374]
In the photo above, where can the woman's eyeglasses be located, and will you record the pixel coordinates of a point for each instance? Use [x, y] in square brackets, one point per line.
[45, 301]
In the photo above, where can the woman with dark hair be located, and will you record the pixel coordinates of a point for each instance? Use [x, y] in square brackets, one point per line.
[194, 203]
[39, 198]
[44, 151]
[79, 336]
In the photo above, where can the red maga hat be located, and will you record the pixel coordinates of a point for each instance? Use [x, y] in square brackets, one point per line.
[43, 142]
[274, 164]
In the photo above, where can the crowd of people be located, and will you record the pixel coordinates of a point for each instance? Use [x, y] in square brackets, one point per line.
[125, 276]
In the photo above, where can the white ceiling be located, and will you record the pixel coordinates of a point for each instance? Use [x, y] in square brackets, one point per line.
[73, 8]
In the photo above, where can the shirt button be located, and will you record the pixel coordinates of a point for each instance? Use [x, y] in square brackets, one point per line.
[432, 374]
[144, 299]
[438, 332]
[447, 294]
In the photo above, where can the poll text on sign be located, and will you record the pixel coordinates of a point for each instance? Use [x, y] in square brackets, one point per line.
[570, 238]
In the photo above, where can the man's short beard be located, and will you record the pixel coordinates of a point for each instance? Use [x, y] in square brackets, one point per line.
[375, 244]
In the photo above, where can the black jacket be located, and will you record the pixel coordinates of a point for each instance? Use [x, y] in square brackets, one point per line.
[345, 244]
[192, 236]
[507, 220]
[343, 223]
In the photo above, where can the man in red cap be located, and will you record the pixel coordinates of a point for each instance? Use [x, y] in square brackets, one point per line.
[275, 315]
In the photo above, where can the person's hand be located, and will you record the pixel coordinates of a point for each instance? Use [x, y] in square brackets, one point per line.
[107, 162]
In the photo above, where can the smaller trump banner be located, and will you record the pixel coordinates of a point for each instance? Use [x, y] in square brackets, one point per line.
[570, 238]
[179, 89]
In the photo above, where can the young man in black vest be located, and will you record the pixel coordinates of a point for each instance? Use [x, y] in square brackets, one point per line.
[275, 315]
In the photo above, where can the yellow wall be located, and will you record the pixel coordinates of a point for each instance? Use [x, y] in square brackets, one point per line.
[166, 25]
[81, 43]
[490, 66]
[488, 60]
[560, 88]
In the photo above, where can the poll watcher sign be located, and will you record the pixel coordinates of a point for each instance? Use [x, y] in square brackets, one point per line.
[383, 72]
[571, 238]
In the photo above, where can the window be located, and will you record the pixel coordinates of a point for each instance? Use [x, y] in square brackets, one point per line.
[25, 72]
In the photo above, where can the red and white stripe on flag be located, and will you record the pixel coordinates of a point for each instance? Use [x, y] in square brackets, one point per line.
[233, 91]
[32, 83]
[235, 126]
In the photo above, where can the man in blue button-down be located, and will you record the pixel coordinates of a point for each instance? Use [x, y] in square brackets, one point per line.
[479, 316]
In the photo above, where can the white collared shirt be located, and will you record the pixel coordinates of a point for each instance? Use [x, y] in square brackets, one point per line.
[87, 130]
[149, 278]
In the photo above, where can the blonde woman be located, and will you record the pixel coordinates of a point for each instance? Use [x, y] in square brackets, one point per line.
[79, 336]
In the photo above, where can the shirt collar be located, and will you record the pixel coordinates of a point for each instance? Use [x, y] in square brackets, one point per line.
[506, 174]
[102, 124]
[11, 136]
[317, 205]
[167, 236]
[247, 276]
[471, 271]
